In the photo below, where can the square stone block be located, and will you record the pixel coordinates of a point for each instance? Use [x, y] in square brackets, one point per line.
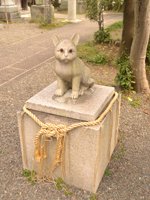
[87, 149]
[42, 13]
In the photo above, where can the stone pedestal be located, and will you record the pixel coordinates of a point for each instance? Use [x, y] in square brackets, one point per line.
[9, 8]
[42, 13]
[87, 149]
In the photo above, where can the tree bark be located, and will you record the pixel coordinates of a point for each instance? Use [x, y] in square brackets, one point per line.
[128, 27]
[139, 45]
[24, 4]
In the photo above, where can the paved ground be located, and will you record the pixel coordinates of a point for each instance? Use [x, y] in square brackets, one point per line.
[25, 46]
[25, 68]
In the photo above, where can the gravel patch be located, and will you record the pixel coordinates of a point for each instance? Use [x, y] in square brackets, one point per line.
[129, 176]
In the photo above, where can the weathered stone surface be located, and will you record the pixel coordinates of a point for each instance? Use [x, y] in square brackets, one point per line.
[12, 8]
[7, 2]
[72, 10]
[80, 7]
[87, 107]
[87, 149]
[42, 13]
[12, 13]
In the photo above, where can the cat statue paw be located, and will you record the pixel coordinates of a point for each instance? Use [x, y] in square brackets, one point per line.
[75, 95]
[59, 92]
[71, 72]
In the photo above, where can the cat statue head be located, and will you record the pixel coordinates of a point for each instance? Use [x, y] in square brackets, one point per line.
[65, 50]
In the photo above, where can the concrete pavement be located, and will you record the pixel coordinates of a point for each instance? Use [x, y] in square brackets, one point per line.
[24, 47]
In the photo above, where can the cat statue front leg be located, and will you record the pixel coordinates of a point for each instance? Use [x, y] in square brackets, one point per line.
[75, 87]
[61, 87]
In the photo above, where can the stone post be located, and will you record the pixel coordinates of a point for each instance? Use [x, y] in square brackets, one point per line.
[72, 4]
[43, 11]
[10, 8]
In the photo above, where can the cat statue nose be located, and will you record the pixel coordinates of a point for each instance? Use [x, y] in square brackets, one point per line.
[66, 54]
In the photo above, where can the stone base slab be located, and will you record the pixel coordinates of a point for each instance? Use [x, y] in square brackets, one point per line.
[9, 9]
[86, 108]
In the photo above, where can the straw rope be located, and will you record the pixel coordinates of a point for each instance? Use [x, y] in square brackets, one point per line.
[49, 130]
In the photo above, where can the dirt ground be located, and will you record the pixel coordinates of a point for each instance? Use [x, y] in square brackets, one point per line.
[128, 173]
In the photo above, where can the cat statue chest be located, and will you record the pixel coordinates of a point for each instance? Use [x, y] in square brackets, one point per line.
[64, 70]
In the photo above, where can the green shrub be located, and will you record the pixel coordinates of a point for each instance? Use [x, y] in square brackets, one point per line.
[102, 36]
[92, 9]
[124, 77]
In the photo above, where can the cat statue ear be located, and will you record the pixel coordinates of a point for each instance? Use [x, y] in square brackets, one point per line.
[55, 40]
[75, 39]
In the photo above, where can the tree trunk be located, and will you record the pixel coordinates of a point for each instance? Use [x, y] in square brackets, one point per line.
[24, 4]
[128, 27]
[139, 45]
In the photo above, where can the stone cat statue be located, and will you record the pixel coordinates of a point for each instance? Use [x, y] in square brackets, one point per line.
[71, 72]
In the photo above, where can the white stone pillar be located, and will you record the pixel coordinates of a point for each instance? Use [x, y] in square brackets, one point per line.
[72, 4]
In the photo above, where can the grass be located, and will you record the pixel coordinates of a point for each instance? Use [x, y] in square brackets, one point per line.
[115, 31]
[134, 102]
[1, 151]
[90, 53]
[61, 186]
[53, 25]
[93, 197]
[120, 150]
[115, 26]
[107, 172]
[30, 175]
[119, 154]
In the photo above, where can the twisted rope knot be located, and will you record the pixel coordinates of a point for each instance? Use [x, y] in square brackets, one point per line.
[49, 130]
[52, 130]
